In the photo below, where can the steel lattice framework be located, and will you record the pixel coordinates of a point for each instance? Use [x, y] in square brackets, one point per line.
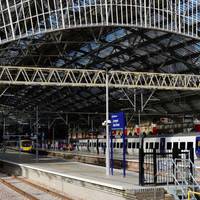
[23, 18]
[126, 38]
[96, 78]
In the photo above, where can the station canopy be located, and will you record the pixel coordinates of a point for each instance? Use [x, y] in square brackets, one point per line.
[116, 48]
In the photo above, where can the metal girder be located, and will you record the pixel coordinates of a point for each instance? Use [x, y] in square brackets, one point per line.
[96, 78]
[20, 19]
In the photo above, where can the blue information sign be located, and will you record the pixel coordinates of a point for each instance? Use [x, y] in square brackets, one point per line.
[117, 120]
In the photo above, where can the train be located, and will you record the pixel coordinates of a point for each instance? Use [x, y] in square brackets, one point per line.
[25, 145]
[133, 143]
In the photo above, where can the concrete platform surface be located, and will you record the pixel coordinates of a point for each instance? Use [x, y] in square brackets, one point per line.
[79, 181]
[76, 170]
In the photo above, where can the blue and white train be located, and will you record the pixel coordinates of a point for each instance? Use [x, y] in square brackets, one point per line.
[167, 142]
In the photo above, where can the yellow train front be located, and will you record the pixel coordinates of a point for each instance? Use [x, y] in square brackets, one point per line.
[25, 145]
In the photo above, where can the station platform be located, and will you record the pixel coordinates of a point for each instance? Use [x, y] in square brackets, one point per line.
[132, 161]
[78, 180]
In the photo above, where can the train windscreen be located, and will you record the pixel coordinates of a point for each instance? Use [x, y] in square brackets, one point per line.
[198, 146]
[26, 143]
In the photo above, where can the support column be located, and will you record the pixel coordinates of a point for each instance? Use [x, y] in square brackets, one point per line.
[54, 138]
[107, 127]
[139, 117]
[4, 126]
[36, 132]
[68, 135]
[67, 126]
[49, 131]
[92, 125]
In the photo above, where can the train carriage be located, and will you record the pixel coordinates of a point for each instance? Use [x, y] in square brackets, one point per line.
[162, 143]
[133, 145]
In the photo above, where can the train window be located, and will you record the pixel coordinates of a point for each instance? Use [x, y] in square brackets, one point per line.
[197, 146]
[156, 145]
[182, 145]
[147, 145]
[121, 145]
[138, 145]
[118, 145]
[198, 142]
[151, 145]
[189, 145]
[90, 144]
[133, 145]
[175, 145]
[169, 145]
[95, 145]
[114, 145]
[129, 145]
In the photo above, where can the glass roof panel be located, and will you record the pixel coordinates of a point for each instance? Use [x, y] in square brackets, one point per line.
[105, 52]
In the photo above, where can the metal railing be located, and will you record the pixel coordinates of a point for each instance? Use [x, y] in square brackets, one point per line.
[174, 168]
[188, 180]
[193, 193]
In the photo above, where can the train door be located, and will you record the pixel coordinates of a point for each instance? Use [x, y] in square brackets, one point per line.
[88, 145]
[97, 142]
[162, 145]
[197, 149]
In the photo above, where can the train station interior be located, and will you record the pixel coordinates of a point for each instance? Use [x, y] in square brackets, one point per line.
[68, 66]
[77, 110]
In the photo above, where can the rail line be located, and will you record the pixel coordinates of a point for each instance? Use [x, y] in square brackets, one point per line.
[31, 190]
[53, 193]
[16, 189]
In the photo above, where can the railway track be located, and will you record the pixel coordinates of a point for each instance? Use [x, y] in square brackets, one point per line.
[28, 190]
